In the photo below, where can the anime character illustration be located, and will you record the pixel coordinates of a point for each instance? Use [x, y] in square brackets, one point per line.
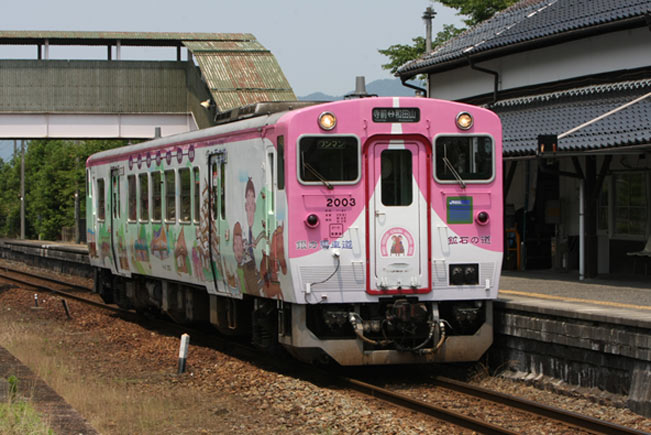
[270, 265]
[159, 244]
[238, 278]
[251, 275]
[397, 248]
[181, 254]
[122, 251]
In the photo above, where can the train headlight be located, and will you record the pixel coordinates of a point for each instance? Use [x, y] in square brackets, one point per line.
[327, 121]
[482, 218]
[312, 221]
[464, 120]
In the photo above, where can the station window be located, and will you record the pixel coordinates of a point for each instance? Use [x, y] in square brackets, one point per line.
[630, 204]
[132, 201]
[185, 184]
[328, 159]
[156, 202]
[101, 201]
[170, 195]
[465, 157]
[397, 189]
[144, 196]
[197, 193]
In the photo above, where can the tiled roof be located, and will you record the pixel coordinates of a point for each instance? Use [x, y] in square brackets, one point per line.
[528, 21]
[523, 119]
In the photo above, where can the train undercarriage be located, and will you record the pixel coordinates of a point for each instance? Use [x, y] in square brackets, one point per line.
[395, 330]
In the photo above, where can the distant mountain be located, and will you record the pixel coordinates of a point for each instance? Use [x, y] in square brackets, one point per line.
[383, 88]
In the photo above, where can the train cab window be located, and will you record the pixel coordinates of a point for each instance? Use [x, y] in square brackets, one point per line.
[464, 158]
[397, 180]
[101, 201]
[328, 159]
[156, 201]
[197, 193]
[185, 186]
[170, 195]
[144, 197]
[132, 201]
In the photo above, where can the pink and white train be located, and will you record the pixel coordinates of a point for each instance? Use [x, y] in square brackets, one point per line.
[365, 231]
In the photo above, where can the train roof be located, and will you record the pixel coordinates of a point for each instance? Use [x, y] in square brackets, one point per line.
[242, 118]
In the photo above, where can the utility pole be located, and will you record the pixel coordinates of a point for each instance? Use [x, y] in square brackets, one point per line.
[428, 16]
[22, 189]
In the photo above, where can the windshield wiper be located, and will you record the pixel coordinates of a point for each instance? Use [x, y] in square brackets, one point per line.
[314, 172]
[454, 172]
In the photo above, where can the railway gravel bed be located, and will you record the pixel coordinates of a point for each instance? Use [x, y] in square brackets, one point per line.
[125, 377]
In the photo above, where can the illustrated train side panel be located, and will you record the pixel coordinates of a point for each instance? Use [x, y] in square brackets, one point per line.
[364, 231]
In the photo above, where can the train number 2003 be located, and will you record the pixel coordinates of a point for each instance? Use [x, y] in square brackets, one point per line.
[340, 202]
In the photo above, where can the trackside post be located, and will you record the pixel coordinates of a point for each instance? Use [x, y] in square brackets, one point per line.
[183, 352]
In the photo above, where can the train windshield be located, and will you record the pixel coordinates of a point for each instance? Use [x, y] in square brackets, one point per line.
[328, 159]
[465, 157]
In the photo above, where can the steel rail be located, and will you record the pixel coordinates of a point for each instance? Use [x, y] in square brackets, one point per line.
[59, 292]
[425, 408]
[45, 278]
[567, 417]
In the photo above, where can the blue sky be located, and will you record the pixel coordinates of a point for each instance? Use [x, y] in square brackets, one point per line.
[321, 46]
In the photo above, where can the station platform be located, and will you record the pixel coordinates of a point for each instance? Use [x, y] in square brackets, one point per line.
[610, 297]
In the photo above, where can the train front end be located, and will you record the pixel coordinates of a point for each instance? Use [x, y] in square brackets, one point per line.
[394, 230]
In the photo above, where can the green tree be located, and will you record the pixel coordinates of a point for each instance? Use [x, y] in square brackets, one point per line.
[476, 11]
[399, 54]
[54, 171]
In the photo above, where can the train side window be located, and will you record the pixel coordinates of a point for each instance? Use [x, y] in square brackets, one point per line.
[156, 202]
[101, 200]
[170, 195]
[223, 191]
[132, 201]
[185, 185]
[196, 176]
[115, 191]
[328, 159]
[470, 156]
[281, 162]
[89, 194]
[144, 197]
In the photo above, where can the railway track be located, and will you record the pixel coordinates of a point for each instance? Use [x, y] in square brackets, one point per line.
[570, 420]
[566, 418]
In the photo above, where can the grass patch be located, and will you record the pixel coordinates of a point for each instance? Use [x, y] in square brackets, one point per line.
[113, 404]
[18, 417]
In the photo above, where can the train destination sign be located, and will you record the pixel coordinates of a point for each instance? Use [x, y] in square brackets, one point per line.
[396, 114]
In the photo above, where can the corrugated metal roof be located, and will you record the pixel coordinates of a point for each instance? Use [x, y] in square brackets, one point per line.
[126, 38]
[523, 119]
[240, 73]
[528, 21]
[237, 69]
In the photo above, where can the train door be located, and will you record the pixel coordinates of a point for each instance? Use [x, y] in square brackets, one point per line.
[217, 221]
[120, 263]
[398, 213]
